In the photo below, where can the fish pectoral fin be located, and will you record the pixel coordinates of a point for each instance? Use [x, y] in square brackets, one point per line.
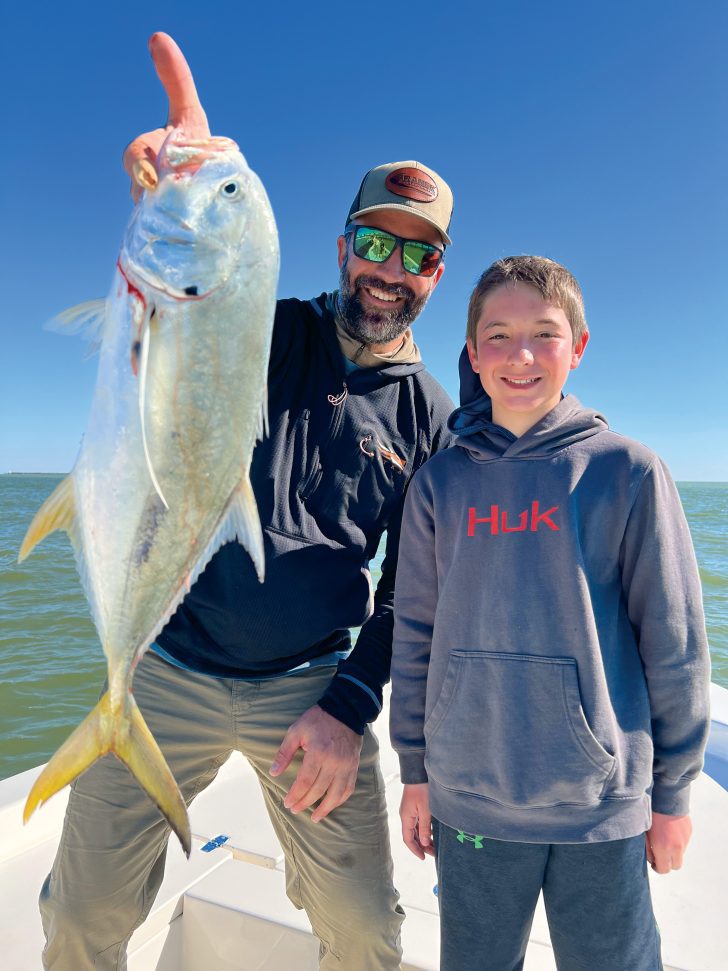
[57, 512]
[86, 319]
[134, 744]
[246, 525]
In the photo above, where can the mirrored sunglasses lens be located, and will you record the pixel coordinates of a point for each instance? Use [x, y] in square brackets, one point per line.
[420, 258]
[372, 245]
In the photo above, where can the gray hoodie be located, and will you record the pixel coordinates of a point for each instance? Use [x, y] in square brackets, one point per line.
[550, 670]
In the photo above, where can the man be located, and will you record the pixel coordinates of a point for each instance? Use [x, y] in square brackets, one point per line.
[263, 667]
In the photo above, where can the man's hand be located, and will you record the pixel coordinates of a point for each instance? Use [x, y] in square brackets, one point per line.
[667, 840]
[414, 811]
[185, 111]
[330, 762]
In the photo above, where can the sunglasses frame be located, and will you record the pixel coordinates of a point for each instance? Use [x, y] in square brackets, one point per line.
[399, 242]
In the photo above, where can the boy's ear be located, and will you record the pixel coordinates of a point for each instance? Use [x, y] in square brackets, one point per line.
[578, 352]
[473, 357]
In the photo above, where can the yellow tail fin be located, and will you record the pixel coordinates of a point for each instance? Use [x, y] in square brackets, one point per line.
[127, 736]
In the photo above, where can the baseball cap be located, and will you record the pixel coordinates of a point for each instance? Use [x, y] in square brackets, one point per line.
[408, 186]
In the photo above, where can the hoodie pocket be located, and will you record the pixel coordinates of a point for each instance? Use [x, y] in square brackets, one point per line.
[511, 728]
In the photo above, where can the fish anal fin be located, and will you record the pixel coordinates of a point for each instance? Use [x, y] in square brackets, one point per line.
[57, 512]
[126, 734]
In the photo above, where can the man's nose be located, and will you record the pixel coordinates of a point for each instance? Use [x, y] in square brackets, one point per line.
[392, 269]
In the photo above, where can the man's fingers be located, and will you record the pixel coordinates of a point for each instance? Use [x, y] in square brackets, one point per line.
[337, 795]
[310, 785]
[185, 110]
[139, 158]
[289, 746]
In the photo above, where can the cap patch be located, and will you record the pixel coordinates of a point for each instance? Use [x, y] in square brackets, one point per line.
[412, 184]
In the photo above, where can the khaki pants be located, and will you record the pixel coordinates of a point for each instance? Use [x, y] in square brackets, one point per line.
[110, 860]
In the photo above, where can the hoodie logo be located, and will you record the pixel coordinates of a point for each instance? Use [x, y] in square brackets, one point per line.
[386, 453]
[498, 520]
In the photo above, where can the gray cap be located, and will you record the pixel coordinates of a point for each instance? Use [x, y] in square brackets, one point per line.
[407, 186]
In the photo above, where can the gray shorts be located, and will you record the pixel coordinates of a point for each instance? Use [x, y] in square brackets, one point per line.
[596, 895]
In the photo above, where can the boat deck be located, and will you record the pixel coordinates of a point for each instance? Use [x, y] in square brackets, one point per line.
[226, 909]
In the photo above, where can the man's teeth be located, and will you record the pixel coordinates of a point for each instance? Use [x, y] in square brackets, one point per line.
[382, 295]
[522, 380]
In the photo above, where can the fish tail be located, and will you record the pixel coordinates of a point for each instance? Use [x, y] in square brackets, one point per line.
[129, 738]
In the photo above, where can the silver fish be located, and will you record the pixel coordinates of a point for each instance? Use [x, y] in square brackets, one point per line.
[162, 477]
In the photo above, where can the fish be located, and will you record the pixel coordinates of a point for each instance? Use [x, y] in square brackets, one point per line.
[161, 480]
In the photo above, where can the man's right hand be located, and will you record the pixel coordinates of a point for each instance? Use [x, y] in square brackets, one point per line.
[185, 111]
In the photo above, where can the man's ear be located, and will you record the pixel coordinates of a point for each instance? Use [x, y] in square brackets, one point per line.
[436, 276]
[341, 249]
[472, 355]
[578, 352]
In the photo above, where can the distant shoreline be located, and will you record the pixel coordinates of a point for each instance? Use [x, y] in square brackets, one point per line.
[678, 481]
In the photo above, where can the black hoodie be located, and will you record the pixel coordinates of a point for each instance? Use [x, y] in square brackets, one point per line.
[329, 479]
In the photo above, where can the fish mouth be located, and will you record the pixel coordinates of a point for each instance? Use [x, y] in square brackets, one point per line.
[151, 280]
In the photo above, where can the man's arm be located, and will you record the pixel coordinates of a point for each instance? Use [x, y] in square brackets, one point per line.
[332, 729]
[355, 694]
[330, 733]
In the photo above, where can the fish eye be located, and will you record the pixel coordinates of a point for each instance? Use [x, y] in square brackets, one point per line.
[231, 190]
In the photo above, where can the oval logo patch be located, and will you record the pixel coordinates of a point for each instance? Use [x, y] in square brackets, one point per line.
[412, 184]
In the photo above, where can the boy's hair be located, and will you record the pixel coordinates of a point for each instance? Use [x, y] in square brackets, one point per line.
[552, 280]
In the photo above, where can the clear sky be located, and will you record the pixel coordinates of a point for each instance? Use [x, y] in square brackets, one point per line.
[594, 134]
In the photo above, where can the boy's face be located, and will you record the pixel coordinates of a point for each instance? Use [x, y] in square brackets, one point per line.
[523, 353]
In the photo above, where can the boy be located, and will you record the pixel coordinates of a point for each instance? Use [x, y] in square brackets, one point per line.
[550, 671]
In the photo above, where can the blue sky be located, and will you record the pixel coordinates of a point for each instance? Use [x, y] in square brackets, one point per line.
[594, 134]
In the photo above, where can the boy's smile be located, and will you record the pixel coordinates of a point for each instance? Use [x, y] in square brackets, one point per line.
[523, 353]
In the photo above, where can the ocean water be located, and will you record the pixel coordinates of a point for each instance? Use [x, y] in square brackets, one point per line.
[51, 663]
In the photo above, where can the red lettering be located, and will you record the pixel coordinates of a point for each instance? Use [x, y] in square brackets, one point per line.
[522, 519]
[492, 519]
[544, 517]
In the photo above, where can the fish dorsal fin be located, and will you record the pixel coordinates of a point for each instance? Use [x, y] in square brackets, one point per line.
[57, 512]
[86, 319]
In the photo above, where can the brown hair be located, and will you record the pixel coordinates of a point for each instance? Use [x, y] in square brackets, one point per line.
[552, 280]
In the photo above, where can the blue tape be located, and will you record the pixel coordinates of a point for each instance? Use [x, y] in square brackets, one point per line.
[214, 844]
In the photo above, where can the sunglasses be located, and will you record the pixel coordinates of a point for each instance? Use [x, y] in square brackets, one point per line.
[375, 245]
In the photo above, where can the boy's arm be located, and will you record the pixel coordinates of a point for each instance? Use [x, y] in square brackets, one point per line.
[664, 602]
[415, 604]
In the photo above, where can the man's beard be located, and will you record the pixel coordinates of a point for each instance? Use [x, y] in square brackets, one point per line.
[375, 326]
